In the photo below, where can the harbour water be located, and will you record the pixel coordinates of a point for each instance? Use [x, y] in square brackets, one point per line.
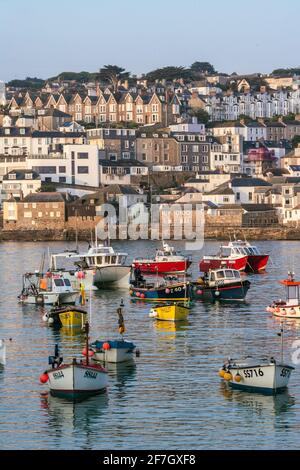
[173, 398]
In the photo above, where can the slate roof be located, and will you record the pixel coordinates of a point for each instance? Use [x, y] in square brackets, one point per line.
[221, 189]
[20, 175]
[121, 163]
[44, 197]
[248, 182]
[257, 207]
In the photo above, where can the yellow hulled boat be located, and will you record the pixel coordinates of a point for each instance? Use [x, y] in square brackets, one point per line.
[68, 317]
[170, 312]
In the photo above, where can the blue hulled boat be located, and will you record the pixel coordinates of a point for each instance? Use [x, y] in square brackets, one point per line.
[220, 284]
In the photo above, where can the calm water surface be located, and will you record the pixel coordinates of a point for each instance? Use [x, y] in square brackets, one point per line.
[173, 397]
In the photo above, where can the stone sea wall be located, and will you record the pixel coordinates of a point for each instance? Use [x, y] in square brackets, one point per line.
[213, 232]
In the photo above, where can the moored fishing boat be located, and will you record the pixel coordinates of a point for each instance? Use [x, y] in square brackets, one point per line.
[113, 351]
[165, 289]
[256, 261]
[170, 311]
[66, 316]
[165, 261]
[289, 308]
[220, 284]
[49, 289]
[262, 376]
[99, 267]
[227, 257]
[76, 379]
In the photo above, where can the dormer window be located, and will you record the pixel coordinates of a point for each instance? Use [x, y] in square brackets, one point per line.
[22, 131]
[12, 176]
[28, 176]
[7, 131]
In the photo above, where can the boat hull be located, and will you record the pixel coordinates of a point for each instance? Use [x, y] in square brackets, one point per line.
[285, 311]
[166, 267]
[174, 292]
[119, 351]
[170, 312]
[72, 318]
[50, 298]
[112, 276]
[269, 378]
[256, 263]
[234, 291]
[215, 263]
[75, 380]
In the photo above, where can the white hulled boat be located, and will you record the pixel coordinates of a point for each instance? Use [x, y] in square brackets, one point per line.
[99, 267]
[76, 379]
[262, 376]
[47, 289]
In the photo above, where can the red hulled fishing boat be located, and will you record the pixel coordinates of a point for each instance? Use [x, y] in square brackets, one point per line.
[165, 261]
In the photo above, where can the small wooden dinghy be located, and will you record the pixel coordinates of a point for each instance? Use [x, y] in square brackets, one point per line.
[264, 376]
[170, 312]
[76, 379]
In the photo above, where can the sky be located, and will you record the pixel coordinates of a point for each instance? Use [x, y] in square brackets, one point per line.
[41, 38]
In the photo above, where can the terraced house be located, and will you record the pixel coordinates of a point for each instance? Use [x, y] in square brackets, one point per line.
[146, 108]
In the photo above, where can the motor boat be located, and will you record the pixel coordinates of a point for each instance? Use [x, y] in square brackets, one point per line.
[166, 260]
[220, 284]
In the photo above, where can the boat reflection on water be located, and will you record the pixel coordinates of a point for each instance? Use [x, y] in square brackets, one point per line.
[68, 416]
[259, 403]
[168, 329]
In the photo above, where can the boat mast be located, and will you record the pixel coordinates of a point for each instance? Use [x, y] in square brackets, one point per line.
[87, 342]
[281, 335]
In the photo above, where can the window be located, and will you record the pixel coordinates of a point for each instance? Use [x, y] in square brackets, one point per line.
[144, 157]
[28, 176]
[238, 196]
[42, 170]
[27, 215]
[12, 176]
[62, 169]
[82, 155]
[126, 155]
[250, 196]
[62, 179]
[51, 214]
[57, 214]
[40, 214]
[82, 170]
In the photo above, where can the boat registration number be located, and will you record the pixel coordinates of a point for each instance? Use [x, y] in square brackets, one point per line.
[250, 373]
[58, 375]
[90, 375]
[285, 372]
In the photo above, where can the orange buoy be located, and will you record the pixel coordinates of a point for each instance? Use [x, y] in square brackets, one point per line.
[106, 346]
[44, 378]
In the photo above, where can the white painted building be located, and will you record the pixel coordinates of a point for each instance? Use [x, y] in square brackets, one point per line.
[77, 165]
[19, 183]
[249, 190]
[2, 94]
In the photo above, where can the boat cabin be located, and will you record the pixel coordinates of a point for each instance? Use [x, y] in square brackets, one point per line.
[242, 248]
[292, 291]
[55, 284]
[222, 276]
[96, 256]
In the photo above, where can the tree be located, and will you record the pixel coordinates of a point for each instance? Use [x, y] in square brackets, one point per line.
[296, 141]
[113, 74]
[202, 68]
[168, 73]
[200, 114]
